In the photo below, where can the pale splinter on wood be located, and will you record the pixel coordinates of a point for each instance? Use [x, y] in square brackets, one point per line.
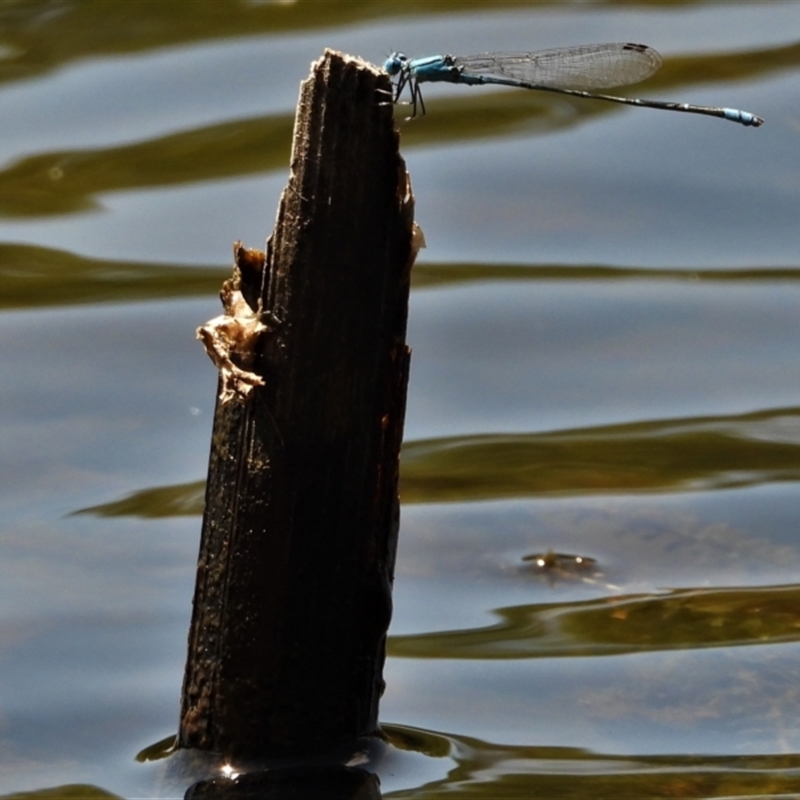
[233, 337]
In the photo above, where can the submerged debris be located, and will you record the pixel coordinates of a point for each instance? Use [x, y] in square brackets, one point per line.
[563, 566]
[551, 560]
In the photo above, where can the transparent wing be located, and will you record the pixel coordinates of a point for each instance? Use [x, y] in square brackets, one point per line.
[592, 66]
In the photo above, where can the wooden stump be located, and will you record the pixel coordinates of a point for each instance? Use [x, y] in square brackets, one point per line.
[293, 593]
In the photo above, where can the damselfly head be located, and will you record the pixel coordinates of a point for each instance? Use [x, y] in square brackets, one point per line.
[395, 63]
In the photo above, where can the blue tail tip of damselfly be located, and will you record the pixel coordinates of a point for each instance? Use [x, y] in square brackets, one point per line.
[744, 117]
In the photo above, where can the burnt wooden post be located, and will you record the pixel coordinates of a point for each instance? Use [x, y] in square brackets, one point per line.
[293, 593]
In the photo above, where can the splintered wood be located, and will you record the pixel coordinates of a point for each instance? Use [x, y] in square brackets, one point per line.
[230, 339]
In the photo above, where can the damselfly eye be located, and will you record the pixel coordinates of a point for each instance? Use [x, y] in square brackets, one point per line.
[394, 64]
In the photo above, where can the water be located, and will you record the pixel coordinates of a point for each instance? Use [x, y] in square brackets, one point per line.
[605, 362]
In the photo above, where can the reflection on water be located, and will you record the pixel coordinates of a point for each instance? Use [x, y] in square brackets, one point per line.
[679, 619]
[605, 366]
[488, 770]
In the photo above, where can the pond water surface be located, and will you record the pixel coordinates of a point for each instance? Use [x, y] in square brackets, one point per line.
[606, 363]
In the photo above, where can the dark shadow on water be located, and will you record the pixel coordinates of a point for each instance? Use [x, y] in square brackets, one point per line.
[484, 770]
[41, 38]
[677, 619]
[654, 456]
[34, 277]
[447, 276]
